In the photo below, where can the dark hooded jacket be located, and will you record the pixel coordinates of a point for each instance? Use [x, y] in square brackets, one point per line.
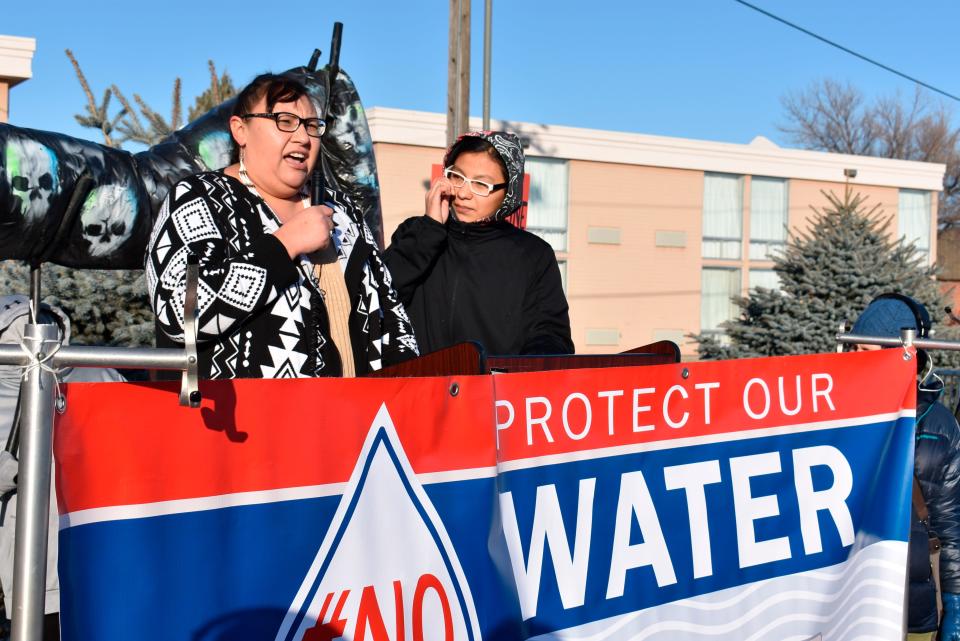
[937, 468]
[488, 282]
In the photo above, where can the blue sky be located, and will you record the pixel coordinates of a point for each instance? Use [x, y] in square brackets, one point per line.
[709, 69]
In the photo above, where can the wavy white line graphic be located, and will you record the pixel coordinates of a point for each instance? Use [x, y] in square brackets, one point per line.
[813, 618]
[861, 598]
[809, 578]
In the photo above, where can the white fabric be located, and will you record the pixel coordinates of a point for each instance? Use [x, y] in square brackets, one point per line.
[718, 286]
[547, 204]
[8, 529]
[768, 216]
[722, 215]
[913, 220]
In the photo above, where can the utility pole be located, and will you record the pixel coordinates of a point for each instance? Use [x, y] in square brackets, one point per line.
[487, 39]
[458, 71]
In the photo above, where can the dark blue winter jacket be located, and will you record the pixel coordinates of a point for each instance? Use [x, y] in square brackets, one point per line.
[937, 468]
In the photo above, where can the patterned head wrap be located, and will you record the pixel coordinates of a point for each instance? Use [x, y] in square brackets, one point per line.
[511, 152]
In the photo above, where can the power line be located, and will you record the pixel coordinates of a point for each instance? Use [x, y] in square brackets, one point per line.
[850, 51]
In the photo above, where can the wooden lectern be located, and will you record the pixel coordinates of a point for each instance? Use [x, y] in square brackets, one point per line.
[469, 358]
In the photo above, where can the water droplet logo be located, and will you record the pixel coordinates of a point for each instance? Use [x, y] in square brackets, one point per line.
[386, 569]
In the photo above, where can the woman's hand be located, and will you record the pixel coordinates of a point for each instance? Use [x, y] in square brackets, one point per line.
[438, 200]
[307, 231]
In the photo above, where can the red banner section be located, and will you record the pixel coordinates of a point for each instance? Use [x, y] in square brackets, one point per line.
[542, 414]
[230, 445]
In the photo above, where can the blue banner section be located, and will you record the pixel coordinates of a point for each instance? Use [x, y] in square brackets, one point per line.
[261, 552]
[878, 457]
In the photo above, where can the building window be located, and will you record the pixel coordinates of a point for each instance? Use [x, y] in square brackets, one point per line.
[562, 264]
[768, 217]
[766, 278]
[718, 286]
[547, 208]
[913, 219]
[722, 215]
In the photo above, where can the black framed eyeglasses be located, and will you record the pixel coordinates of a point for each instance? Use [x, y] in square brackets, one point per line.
[289, 122]
[478, 187]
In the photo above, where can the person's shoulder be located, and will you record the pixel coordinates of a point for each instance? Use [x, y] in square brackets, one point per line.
[531, 244]
[940, 421]
[198, 184]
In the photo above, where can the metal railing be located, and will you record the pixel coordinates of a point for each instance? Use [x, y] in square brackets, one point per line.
[41, 356]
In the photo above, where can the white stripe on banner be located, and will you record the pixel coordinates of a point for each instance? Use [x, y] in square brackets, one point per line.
[859, 598]
[178, 506]
[634, 448]
[161, 508]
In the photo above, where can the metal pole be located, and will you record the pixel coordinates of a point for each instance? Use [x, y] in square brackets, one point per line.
[458, 70]
[908, 337]
[33, 494]
[123, 357]
[884, 341]
[452, 55]
[463, 68]
[458, 101]
[487, 39]
[35, 291]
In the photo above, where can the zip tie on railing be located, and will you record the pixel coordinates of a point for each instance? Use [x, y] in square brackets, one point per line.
[37, 363]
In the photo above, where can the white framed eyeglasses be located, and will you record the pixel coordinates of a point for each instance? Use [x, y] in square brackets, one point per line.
[478, 187]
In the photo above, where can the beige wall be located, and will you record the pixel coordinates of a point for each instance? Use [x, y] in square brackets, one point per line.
[635, 288]
[402, 170]
[4, 100]
[632, 289]
[804, 193]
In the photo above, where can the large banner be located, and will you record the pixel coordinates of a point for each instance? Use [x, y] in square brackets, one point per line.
[754, 499]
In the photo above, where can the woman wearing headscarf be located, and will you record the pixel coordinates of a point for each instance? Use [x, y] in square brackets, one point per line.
[286, 289]
[466, 274]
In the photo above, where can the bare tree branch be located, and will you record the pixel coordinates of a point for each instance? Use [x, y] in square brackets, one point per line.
[149, 127]
[130, 125]
[835, 117]
[97, 118]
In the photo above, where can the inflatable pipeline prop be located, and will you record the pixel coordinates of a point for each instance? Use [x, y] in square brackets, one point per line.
[42, 172]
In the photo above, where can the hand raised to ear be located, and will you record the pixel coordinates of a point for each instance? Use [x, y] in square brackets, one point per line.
[438, 200]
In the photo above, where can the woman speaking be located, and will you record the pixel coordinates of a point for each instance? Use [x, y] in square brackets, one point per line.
[287, 289]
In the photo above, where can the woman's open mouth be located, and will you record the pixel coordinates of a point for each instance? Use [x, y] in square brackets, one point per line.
[297, 160]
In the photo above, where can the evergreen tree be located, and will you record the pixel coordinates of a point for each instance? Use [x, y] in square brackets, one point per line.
[127, 126]
[110, 307]
[221, 89]
[829, 273]
[105, 307]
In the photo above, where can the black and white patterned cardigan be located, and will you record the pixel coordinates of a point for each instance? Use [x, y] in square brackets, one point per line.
[261, 315]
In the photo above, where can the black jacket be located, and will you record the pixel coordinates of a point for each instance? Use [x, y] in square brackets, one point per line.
[490, 283]
[937, 467]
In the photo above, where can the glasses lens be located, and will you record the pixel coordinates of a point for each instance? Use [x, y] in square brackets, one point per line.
[287, 122]
[455, 179]
[315, 127]
[479, 188]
